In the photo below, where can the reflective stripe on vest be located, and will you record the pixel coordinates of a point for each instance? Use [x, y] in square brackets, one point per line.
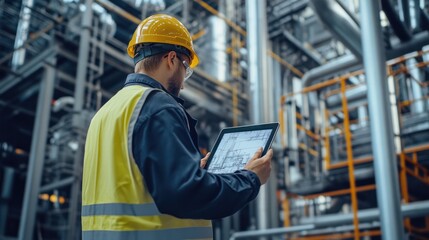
[168, 234]
[146, 209]
[115, 201]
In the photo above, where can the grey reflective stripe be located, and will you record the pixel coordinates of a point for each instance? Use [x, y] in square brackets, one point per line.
[134, 118]
[168, 234]
[148, 209]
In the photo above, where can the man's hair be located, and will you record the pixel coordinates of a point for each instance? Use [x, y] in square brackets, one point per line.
[149, 64]
[149, 59]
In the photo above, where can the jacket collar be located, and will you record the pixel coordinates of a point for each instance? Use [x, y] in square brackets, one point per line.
[143, 79]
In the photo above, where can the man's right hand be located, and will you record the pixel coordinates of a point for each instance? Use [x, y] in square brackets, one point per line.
[260, 165]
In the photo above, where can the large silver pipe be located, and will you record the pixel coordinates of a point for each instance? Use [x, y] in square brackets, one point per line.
[216, 58]
[339, 23]
[419, 40]
[340, 64]
[385, 163]
[22, 33]
[260, 86]
[349, 61]
[37, 153]
[352, 95]
[414, 209]
[411, 210]
[271, 231]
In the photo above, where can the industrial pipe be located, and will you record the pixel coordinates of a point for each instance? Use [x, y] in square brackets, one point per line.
[339, 23]
[385, 164]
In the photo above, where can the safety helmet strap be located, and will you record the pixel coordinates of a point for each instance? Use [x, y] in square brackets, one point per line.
[147, 50]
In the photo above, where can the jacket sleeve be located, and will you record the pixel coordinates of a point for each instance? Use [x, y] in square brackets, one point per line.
[169, 163]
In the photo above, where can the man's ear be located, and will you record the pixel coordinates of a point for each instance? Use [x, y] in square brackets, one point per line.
[170, 59]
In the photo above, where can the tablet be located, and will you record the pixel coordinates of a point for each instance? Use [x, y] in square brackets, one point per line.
[235, 146]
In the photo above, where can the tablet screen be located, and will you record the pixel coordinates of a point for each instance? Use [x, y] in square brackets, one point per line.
[234, 149]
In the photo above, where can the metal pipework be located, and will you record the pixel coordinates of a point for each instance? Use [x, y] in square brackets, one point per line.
[271, 231]
[395, 22]
[341, 24]
[385, 163]
[411, 210]
[260, 86]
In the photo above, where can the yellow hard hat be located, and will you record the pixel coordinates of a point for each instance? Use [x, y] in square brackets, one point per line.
[162, 28]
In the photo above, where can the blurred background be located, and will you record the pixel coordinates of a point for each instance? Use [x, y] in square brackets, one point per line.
[315, 66]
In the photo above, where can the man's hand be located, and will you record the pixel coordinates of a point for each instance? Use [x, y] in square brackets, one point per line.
[203, 161]
[260, 165]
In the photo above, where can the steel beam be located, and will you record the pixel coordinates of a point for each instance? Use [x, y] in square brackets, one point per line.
[29, 68]
[385, 162]
[397, 25]
[296, 43]
[58, 184]
[339, 23]
[37, 153]
[22, 34]
[404, 13]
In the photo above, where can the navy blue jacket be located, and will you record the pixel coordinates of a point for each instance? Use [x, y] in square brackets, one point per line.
[165, 148]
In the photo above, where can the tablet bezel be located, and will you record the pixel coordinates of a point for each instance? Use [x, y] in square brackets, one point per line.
[266, 126]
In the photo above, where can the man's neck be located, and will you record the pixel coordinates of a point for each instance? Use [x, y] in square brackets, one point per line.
[157, 77]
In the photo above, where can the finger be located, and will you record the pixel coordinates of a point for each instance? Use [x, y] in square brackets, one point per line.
[268, 155]
[257, 154]
[203, 163]
[206, 157]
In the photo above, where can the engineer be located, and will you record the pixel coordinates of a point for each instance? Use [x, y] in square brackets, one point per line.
[142, 173]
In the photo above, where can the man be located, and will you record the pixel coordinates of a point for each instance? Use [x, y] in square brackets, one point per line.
[142, 176]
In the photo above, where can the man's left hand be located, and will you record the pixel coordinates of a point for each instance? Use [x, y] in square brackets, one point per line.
[203, 161]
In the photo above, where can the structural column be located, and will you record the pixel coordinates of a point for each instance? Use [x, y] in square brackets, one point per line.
[79, 120]
[385, 162]
[37, 153]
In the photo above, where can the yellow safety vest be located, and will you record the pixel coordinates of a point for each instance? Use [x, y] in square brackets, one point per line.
[115, 201]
